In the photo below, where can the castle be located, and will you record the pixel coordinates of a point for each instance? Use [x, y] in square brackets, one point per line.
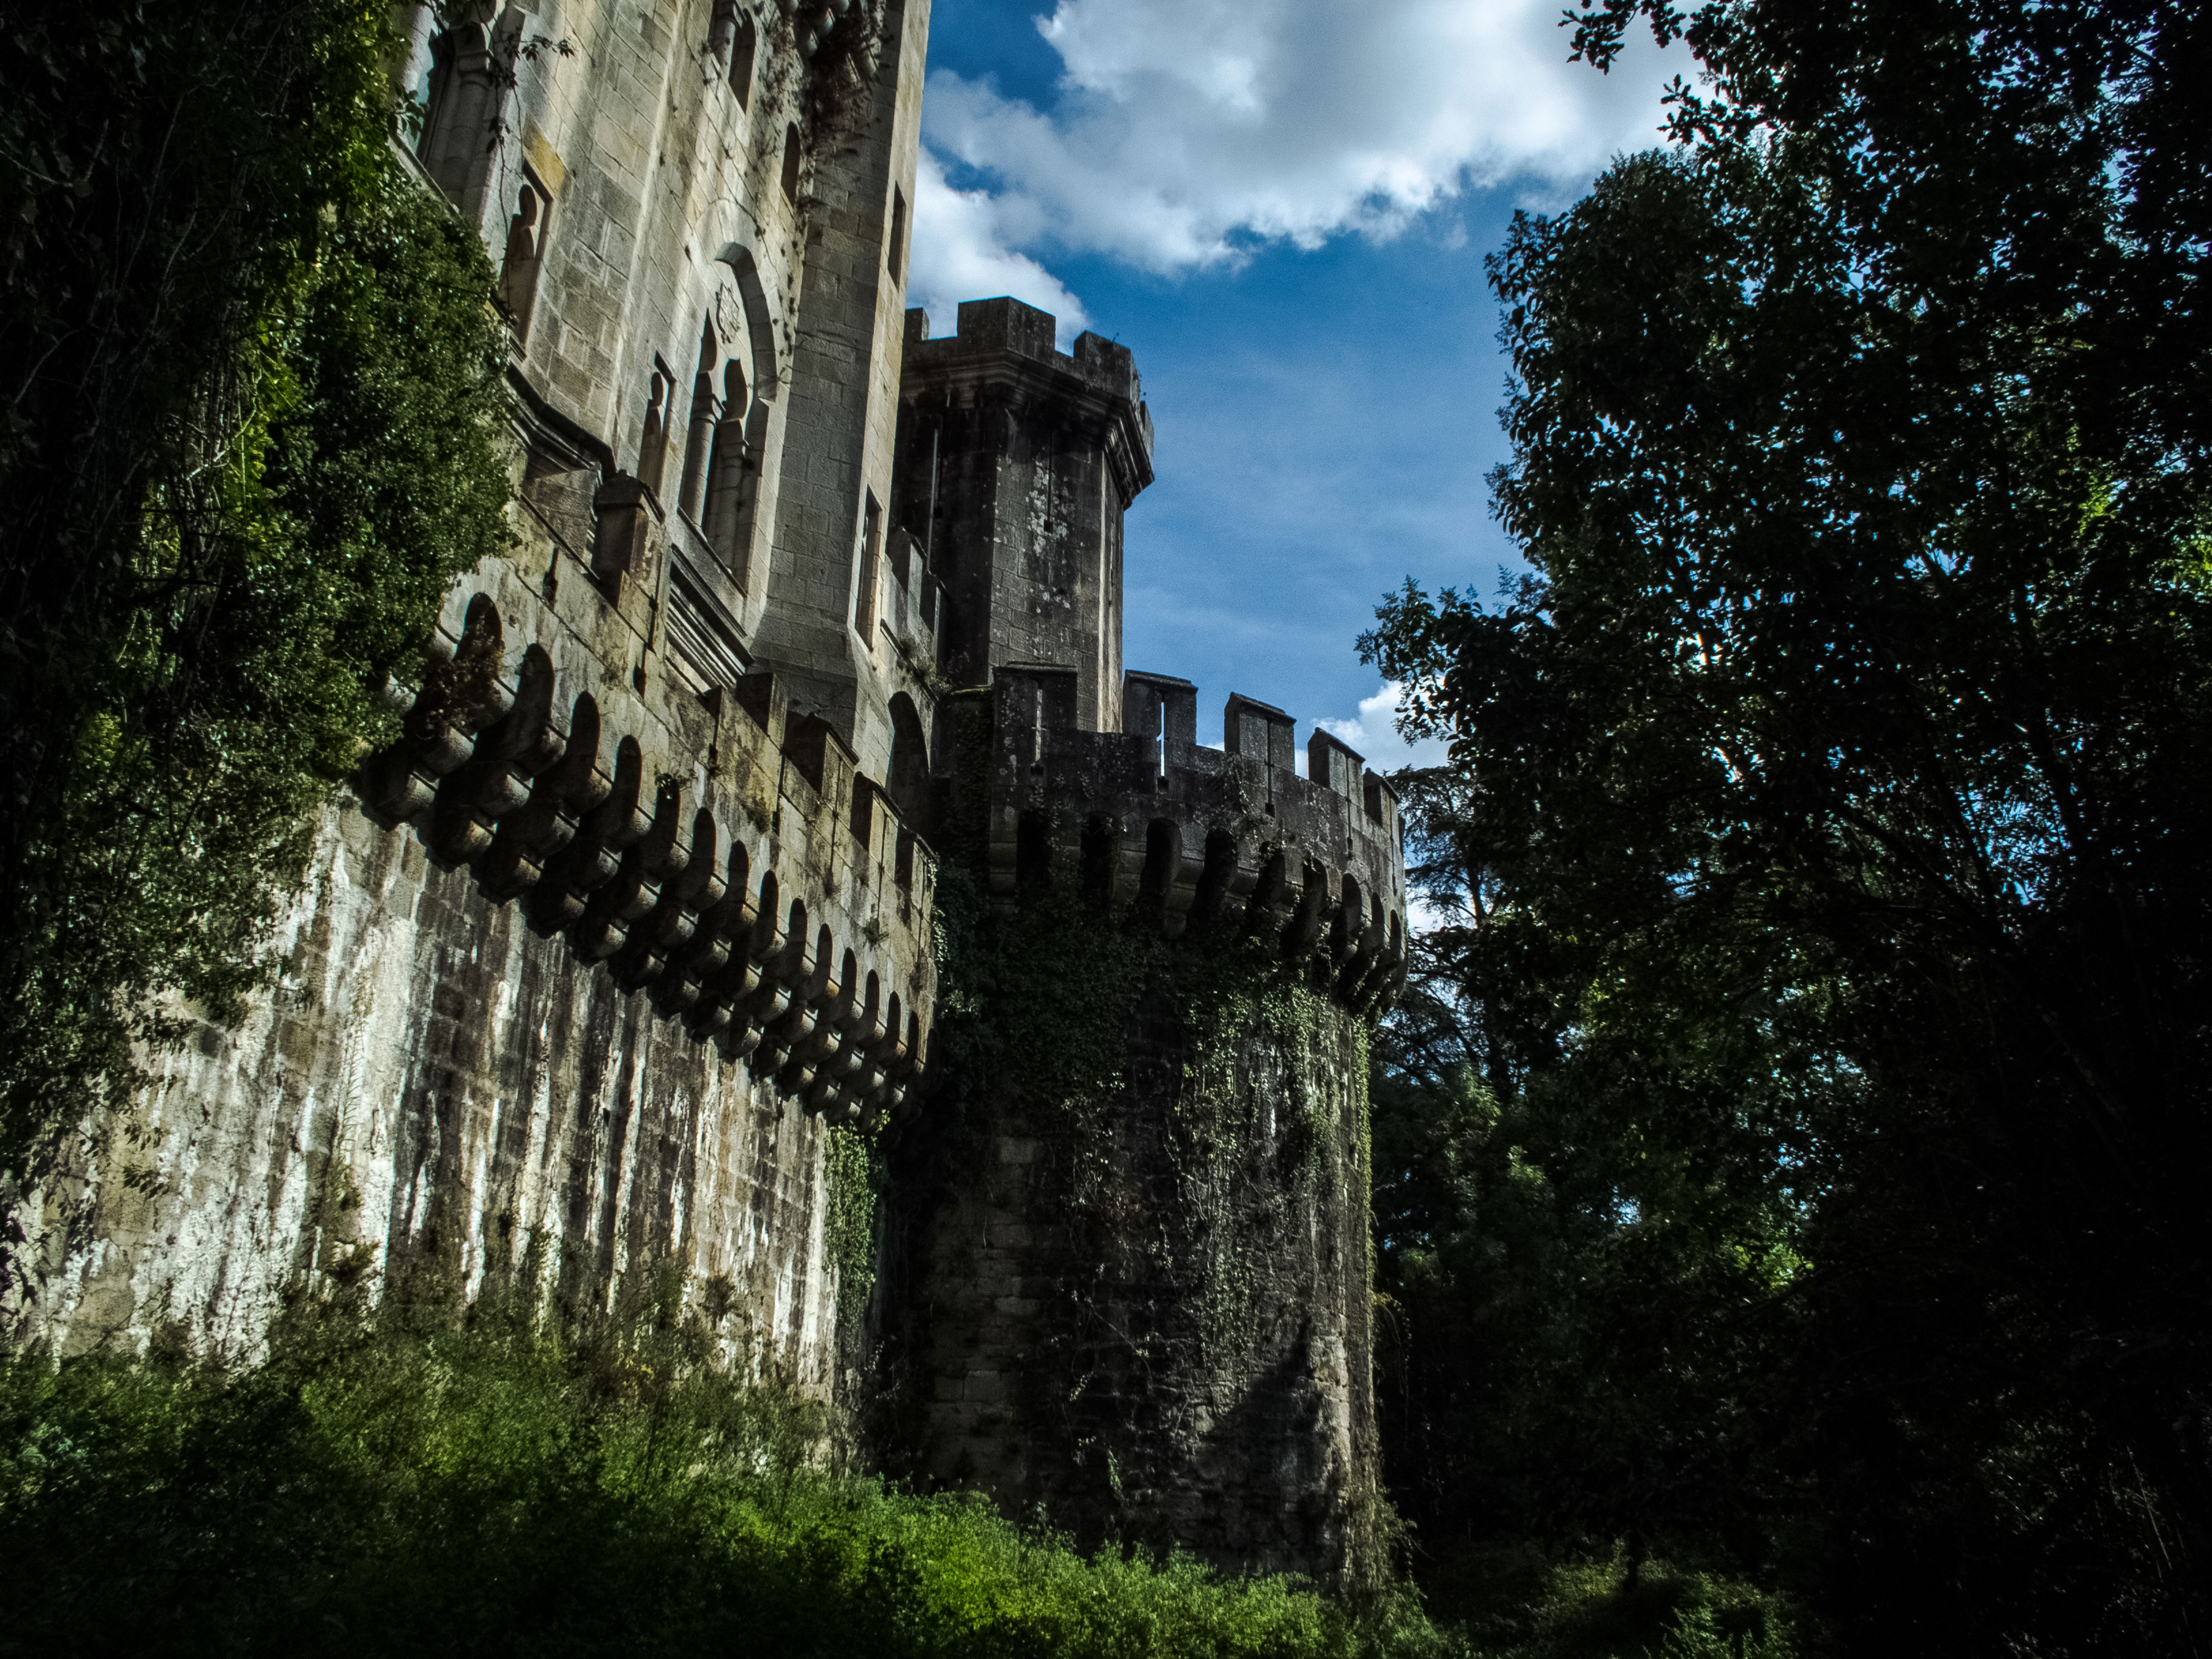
[809, 646]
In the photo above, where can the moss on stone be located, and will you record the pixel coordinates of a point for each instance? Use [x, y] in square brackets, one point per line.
[1148, 1266]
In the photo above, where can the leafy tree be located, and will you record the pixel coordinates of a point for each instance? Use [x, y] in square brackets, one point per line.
[254, 427]
[1586, 1258]
[1840, 791]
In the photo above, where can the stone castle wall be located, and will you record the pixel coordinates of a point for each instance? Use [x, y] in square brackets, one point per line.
[1149, 1314]
[580, 972]
[648, 899]
[587, 960]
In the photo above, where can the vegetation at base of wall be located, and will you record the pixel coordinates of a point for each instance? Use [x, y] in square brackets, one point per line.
[1512, 1600]
[403, 1481]
[255, 427]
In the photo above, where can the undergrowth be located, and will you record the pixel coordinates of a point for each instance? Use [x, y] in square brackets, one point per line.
[408, 1482]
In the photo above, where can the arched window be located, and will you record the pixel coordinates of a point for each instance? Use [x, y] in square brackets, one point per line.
[725, 474]
[699, 433]
[910, 769]
[464, 123]
[731, 38]
[653, 443]
[741, 61]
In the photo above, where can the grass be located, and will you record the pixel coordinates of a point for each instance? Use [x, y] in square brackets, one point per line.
[402, 1482]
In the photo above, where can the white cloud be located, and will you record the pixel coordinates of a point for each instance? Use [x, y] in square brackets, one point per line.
[1374, 733]
[1186, 129]
[960, 254]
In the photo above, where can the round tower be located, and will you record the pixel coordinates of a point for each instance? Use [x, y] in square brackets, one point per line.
[1125, 1279]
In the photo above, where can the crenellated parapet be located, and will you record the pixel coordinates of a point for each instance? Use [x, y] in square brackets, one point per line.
[724, 858]
[1195, 840]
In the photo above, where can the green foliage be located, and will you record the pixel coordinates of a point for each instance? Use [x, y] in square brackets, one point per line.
[1056, 1006]
[257, 429]
[1511, 1601]
[1828, 822]
[401, 1483]
[1043, 1001]
[1046, 999]
[851, 1173]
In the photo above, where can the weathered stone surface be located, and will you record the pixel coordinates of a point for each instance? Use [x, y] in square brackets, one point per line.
[1143, 1302]
[1187, 1358]
[1016, 465]
[646, 894]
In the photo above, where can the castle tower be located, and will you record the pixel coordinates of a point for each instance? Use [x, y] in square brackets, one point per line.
[1016, 463]
[1126, 1276]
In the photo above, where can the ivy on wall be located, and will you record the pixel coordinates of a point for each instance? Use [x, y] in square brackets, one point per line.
[1044, 1004]
[1050, 1011]
[1180, 1127]
[255, 425]
[851, 1173]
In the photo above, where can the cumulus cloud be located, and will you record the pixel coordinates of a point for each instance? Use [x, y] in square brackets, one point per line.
[960, 253]
[1374, 733]
[1187, 131]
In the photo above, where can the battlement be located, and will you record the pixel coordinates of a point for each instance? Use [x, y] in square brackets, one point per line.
[1198, 839]
[1005, 336]
[720, 854]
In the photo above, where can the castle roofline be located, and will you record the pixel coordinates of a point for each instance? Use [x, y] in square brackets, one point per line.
[1003, 341]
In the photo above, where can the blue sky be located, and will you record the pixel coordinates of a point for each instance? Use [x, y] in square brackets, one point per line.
[1282, 207]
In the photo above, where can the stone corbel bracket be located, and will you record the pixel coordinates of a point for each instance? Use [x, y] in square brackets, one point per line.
[747, 899]
[1199, 840]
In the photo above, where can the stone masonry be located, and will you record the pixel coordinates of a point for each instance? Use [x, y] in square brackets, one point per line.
[1016, 463]
[642, 906]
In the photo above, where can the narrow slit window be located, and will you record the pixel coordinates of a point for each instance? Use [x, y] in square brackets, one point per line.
[790, 165]
[872, 538]
[895, 257]
[741, 61]
[653, 443]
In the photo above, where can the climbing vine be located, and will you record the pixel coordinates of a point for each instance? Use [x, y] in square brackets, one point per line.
[257, 429]
[1051, 1011]
[1189, 1119]
[852, 1174]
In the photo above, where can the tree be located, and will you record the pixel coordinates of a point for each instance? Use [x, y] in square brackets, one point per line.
[1844, 780]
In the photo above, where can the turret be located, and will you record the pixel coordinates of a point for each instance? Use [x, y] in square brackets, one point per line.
[1016, 463]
